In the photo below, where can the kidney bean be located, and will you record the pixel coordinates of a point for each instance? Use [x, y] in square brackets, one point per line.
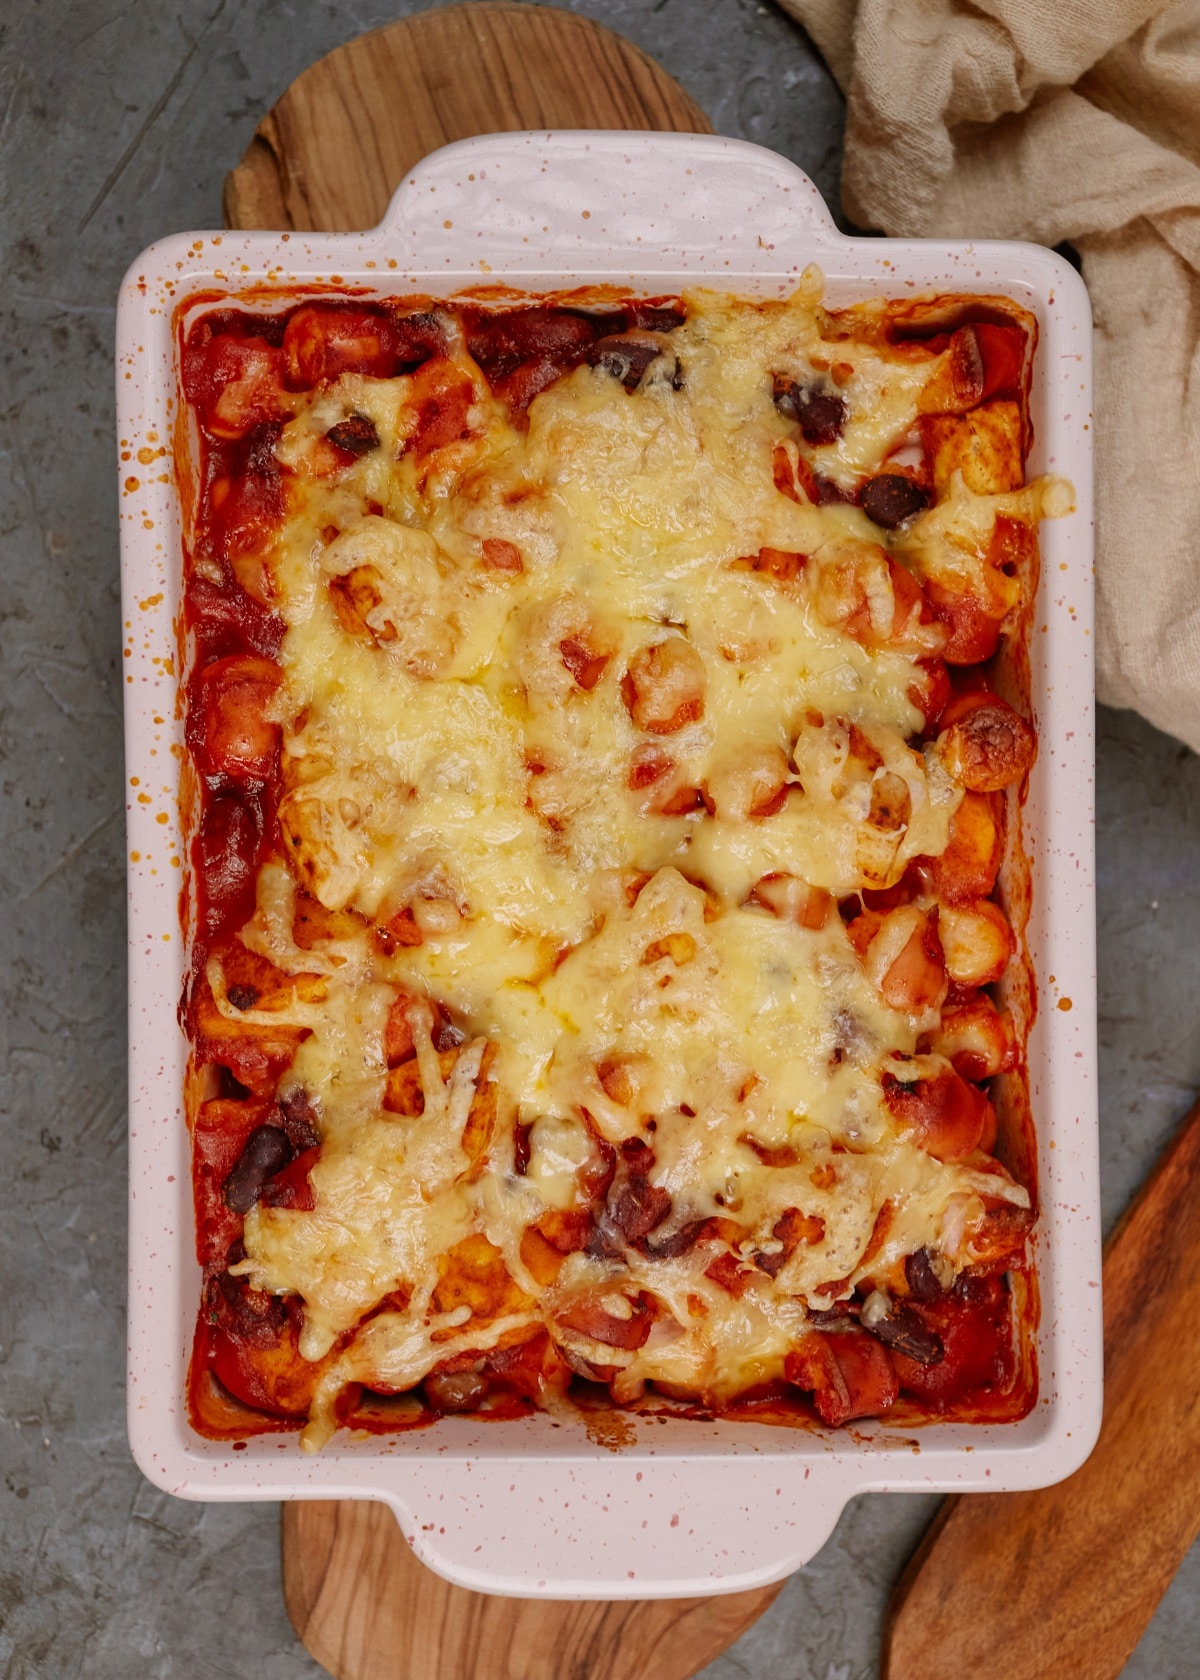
[357, 435]
[299, 1120]
[819, 414]
[904, 1331]
[890, 498]
[653, 317]
[267, 1152]
[456, 1391]
[627, 355]
[677, 1242]
[638, 1207]
[922, 1280]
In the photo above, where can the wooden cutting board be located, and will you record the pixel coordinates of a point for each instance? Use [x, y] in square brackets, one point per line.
[367, 1610]
[334, 148]
[1062, 1582]
[328, 156]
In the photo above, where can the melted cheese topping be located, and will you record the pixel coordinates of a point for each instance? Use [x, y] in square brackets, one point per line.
[443, 759]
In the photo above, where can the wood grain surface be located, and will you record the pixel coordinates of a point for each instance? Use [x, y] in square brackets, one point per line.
[1062, 1582]
[367, 1610]
[329, 156]
[334, 148]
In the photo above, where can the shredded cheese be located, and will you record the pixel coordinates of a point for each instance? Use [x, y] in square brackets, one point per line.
[444, 756]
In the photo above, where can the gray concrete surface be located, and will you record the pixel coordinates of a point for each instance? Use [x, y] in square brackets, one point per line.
[117, 123]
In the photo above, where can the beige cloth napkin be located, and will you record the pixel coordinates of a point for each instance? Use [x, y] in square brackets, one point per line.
[1076, 120]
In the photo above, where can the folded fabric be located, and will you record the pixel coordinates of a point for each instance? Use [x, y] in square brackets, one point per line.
[1079, 121]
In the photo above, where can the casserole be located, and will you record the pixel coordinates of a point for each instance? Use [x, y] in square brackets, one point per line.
[749, 1503]
[654, 622]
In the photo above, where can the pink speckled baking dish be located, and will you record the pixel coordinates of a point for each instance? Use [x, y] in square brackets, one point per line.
[536, 1507]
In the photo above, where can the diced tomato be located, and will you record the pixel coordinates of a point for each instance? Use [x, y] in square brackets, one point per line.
[400, 929]
[585, 664]
[501, 556]
[930, 689]
[849, 594]
[473, 1274]
[970, 619]
[862, 929]
[530, 1368]
[256, 1055]
[518, 389]
[591, 1318]
[313, 924]
[909, 886]
[398, 1044]
[727, 1271]
[784, 565]
[784, 477]
[1013, 547]
[228, 620]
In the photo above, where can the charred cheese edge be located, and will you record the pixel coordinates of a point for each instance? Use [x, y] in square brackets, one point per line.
[440, 757]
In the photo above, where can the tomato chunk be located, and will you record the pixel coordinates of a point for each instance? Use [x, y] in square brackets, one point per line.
[228, 729]
[974, 1323]
[1002, 352]
[322, 341]
[971, 619]
[849, 1374]
[500, 343]
[291, 1187]
[228, 850]
[245, 499]
[236, 381]
[253, 1348]
[443, 394]
[592, 1318]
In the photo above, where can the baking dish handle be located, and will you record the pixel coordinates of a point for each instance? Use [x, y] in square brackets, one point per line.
[611, 199]
[617, 1527]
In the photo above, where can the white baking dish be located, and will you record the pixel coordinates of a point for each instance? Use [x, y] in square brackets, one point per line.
[537, 1507]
